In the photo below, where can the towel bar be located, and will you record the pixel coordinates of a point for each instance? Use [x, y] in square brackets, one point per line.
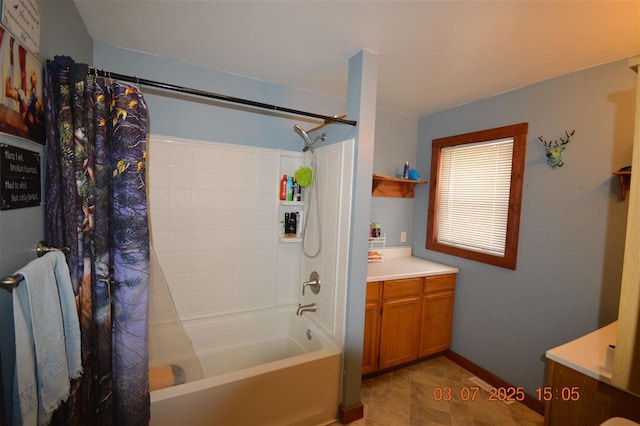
[9, 283]
[42, 249]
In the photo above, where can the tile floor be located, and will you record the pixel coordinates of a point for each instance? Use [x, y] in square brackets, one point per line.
[406, 397]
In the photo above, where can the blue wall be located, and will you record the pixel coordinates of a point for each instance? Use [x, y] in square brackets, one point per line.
[396, 142]
[62, 32]
[174, 114]
[572, 229]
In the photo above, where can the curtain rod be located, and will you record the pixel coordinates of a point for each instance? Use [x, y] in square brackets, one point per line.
[327, 119]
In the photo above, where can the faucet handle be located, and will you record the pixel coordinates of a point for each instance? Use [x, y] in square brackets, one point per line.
[314, 283]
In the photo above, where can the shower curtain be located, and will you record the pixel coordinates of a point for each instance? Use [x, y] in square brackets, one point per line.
[96, 205]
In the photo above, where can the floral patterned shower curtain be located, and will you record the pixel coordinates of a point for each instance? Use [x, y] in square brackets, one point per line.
[96, 205]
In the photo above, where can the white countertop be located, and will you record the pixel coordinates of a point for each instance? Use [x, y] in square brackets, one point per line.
[398, 263]
[587, 354]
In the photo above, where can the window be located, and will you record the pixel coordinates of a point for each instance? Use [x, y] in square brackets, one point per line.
[476, 193]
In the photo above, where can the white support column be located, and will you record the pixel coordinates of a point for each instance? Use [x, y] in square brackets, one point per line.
[361, 106]
[626, 363]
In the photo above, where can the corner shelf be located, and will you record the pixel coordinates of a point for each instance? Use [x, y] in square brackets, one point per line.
[387, 186]
[289, 207]
[375, 244]
[624, 177]
[292, 203]
[290, 239]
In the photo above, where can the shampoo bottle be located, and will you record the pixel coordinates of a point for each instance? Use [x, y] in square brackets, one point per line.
[287, 229]
[298, 225]
[283, 188]
[295, 190]
[406, 170]
[289, 189]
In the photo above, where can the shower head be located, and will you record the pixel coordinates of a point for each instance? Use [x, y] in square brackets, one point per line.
[308, 143]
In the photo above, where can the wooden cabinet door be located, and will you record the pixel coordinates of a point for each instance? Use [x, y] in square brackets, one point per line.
[437, 313]
[371, 328]
[575, 399]
[400, 323]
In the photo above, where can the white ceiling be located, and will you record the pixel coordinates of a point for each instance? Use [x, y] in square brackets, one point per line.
[432, 55]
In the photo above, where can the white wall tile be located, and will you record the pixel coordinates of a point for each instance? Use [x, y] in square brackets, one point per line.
[181, 156]
[214, 210]
[251, 296]
[202, 240]
[202, 220]
[158, 198]
[203, 158]
[202, 199]
[180, 177]
[179, 283]
[180, 220]
[202, 179]
[160, 240]
[180, 242]
[180, 199]
[159, 220]
[182, 303]
[221, 259]
[177, 263]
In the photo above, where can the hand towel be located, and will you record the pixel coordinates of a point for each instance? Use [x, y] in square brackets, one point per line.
[47, 339]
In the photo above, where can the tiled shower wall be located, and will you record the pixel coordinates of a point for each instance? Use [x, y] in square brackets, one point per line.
[334, 174]
[213, 208]
[214, 221]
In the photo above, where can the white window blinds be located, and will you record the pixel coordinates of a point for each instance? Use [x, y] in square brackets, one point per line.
[475, 181]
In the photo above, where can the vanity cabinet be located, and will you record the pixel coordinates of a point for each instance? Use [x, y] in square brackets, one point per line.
[406, 319]
[575, 399]
[371, 327]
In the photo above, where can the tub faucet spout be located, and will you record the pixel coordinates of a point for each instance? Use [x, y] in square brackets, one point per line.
[305, 308]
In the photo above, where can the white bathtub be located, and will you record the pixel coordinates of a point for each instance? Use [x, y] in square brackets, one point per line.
[260, 369]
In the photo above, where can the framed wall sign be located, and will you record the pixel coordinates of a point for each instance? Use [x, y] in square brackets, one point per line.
[21, 109]
[20, 177]
[22, 19]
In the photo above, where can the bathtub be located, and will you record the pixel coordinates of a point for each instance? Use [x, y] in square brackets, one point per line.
[267, 368]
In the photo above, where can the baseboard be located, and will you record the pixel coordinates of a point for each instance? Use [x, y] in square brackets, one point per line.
[400, 366]
[350, 414]
[530, 401]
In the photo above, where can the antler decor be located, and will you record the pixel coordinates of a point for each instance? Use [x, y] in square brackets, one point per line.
[554, 149]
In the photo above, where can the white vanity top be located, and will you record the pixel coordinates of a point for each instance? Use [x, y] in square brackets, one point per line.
[398, 263]
[587, 354]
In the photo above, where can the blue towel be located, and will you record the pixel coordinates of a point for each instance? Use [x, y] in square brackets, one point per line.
[47, 339]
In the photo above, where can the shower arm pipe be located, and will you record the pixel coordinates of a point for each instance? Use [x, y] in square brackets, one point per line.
[326, 123]
[196, 92]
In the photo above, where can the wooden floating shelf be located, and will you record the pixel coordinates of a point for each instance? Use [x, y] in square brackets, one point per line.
[387, 186]
[624, 178]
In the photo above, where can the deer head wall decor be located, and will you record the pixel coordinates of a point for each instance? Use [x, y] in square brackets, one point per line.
[554, 149]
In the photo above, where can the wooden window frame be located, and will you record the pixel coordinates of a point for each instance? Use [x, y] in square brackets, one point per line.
[519, 134]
